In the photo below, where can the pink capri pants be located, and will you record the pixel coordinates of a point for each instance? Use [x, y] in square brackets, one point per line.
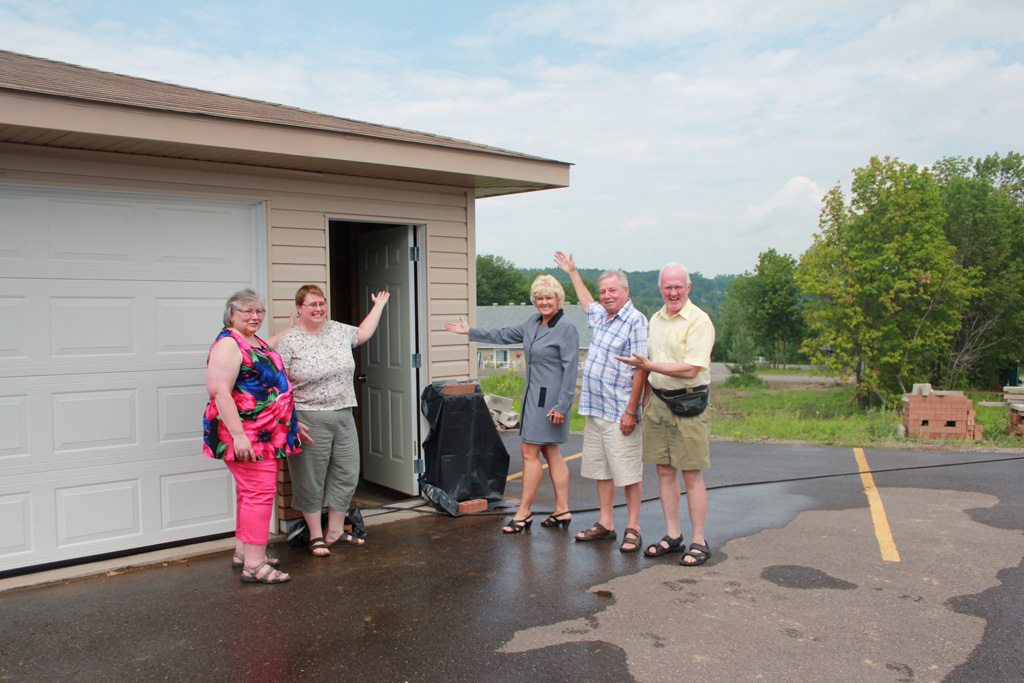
[256, 484]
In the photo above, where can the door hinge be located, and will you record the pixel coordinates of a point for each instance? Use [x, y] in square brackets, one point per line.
[418, 467]
[416, 360]
[414, 254]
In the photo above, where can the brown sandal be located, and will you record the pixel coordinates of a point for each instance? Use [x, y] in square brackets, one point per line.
[317, 547]
[596, 533]
[631, 537]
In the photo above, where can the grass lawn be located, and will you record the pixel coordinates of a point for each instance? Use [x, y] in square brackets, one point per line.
[828, 417]
[768, 370]
[825, 416]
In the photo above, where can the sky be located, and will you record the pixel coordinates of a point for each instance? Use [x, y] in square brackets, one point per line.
[701, 132]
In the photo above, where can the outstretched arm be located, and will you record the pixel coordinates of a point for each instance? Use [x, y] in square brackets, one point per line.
[568, 266]
[292, 319]
[680, 370]
[372, 319]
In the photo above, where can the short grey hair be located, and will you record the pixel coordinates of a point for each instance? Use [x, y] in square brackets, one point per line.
[667, 266]
[241, 299]
[623, 280]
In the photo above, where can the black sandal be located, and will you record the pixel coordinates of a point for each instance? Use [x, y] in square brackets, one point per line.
[675, 545]
[559, 520]
[347, 539]
[517, 526]
[700, 553]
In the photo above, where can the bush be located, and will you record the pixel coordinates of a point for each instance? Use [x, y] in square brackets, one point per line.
[746, 380]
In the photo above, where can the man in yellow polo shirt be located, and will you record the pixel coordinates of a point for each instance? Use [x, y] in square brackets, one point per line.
[677, 425]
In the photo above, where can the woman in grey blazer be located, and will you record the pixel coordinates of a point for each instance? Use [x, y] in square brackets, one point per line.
[552, 348]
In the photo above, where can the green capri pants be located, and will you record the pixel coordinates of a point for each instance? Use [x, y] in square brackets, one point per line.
[326, 472]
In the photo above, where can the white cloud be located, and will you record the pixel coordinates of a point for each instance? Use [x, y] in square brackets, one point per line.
[702, 131]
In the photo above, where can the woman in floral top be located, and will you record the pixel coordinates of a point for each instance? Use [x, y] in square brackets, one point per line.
[318, 355]
[250, 422]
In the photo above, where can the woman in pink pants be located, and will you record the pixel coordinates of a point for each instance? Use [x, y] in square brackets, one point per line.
[250, 422]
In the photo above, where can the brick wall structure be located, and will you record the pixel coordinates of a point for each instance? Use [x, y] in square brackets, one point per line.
[939, 414]
[1016, 426]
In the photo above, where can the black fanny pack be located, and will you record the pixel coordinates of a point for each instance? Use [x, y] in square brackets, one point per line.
[685, 402]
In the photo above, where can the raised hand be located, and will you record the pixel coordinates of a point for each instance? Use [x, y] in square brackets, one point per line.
[565, 262]
[461, 327]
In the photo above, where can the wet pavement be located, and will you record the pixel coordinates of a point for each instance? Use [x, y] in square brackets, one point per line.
[797, 589]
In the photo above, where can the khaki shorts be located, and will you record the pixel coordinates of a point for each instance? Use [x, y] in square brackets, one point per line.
[682, 442]
[608, 454]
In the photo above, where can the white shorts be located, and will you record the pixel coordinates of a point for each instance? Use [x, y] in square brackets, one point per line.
[608, 454]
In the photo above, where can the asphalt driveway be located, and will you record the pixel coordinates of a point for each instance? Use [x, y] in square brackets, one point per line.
[803, 585]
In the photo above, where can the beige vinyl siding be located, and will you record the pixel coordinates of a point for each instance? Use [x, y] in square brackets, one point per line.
[299, 208]
[451, 264]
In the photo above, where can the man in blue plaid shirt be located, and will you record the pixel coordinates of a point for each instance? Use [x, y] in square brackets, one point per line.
[610, 398]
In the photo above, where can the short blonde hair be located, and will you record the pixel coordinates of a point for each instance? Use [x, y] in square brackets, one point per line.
[547, 284]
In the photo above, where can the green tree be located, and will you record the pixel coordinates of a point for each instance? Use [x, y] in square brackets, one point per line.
[766, 307]
[884, 290]
[498, 281]
[737, 320]
[984, 204]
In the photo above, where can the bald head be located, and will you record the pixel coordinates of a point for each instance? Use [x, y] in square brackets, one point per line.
[674, 283]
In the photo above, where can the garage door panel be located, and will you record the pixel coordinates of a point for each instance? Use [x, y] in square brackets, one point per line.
[14, 426]
[196, 500]
[13, 328]
[15, 523]
[188, 325]
[93, 326]
[98, 419]
[93, 232]
[39, 517]
[178, 410]
[98, 512]
[101, 420]
[17, 245]
[208, 238]
[70, 234]
[58, 328]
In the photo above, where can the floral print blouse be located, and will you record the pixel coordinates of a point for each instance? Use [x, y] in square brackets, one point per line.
[263, 396]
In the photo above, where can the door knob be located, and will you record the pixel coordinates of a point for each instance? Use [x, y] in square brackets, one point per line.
[361, 378]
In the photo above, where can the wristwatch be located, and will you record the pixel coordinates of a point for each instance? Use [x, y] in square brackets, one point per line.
[630, 412]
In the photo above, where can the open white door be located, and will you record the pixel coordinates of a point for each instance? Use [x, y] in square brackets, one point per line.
[389, 400]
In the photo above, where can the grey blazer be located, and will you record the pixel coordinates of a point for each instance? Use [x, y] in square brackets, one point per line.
[552, 358]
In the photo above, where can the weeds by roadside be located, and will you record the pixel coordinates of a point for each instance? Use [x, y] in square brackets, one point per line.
[829, 417]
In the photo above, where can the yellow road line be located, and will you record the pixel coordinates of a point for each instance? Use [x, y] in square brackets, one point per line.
[882, 531]
[567, 459]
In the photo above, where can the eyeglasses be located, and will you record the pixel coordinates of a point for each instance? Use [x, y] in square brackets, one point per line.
[673, 288]
[316, 304]
[250, 312]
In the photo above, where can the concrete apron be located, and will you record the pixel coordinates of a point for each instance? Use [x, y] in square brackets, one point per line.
[118, 565]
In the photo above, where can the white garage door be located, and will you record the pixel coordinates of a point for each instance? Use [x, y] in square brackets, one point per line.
[108, 305]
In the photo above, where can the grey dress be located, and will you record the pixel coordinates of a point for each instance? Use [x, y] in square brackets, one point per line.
[552, 358]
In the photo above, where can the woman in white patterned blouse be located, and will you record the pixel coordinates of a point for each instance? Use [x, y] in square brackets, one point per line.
[317, 353]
